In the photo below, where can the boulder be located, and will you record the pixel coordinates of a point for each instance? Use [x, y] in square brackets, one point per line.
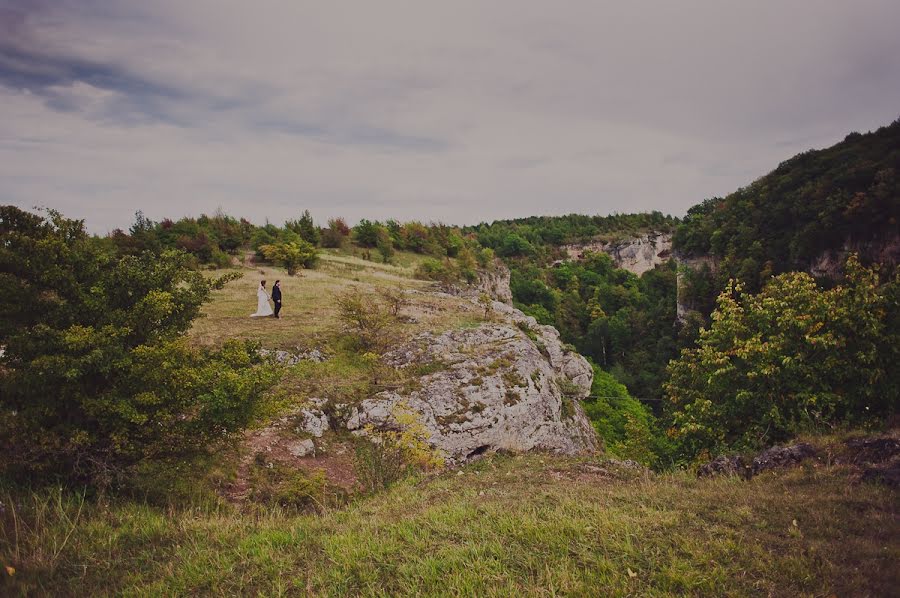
[312, 420]
[724, 465]
[781, 456]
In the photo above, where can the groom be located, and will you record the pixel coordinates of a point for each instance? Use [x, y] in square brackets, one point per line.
[276, 297]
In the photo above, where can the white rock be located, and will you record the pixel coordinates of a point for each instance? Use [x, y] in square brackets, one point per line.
[301, 448]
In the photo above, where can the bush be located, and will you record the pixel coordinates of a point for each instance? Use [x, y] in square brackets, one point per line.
[436, 270]
[292, 256]
[624, 423]
[95, 376]
[385, 457]
[336, 234]
[305, 228]
[367, 322]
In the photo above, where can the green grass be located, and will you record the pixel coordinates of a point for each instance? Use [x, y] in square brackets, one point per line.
[530, 526]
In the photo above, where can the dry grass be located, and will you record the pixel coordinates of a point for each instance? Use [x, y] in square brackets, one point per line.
[309, 316]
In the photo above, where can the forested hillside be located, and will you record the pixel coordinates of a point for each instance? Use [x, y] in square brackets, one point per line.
[816, 202]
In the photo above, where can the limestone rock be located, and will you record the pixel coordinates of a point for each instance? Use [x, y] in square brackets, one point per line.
[637, 254]
[301, 448]
[497, 388]
[312, 419]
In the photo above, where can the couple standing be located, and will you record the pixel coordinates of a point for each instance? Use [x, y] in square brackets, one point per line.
[262, 300]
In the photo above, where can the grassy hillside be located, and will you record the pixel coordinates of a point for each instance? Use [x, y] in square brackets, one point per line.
[528, 525]
[309, 318]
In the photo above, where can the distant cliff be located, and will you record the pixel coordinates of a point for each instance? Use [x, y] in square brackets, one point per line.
[637, 254]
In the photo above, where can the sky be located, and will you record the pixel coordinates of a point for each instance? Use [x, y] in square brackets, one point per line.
[455, 111]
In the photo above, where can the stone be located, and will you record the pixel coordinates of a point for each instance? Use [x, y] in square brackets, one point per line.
[498, 390]
[301, 448]
[724, 465]
[779, 456]
[313, 420]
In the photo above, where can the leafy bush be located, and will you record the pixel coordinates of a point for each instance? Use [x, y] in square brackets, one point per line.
[94, 376]
[624, 423]
[792, 357]
[277, 484]
[305, 228]
[437, 270]
[336, 234]
[292, 255]
[365, 320]
[385, 457]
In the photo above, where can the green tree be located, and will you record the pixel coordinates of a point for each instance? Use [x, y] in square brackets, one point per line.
[305, 227]
[292, 255]
[791, 357]
[95, 375]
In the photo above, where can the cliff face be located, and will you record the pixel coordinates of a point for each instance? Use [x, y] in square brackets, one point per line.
[636, 255]
[885, 251]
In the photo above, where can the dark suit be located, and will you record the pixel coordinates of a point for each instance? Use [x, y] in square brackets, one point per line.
[276, 298]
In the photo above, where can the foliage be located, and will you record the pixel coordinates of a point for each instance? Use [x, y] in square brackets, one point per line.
[811, 204]
[365, 320]
[208, 238]
[305, 227]
[623, 322]
[94, 376]
[292, 256]
[395, 298]
[626, 426]
[336, 234]
[387, 456]
[793, 356]
[276, 484]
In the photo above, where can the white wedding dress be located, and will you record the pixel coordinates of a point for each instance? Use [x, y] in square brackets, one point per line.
[262, 303]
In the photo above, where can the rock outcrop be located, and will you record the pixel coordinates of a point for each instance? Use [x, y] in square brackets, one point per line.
[777, 457]
[505, 385]
[637, 254]
[495, 282]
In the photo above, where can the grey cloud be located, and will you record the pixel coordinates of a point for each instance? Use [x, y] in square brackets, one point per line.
[460, 112]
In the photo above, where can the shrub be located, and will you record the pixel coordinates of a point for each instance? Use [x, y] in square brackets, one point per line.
[305, 228]
[395, 299]
[367, 322]
[95, 376]
[433, 269]
[336, 234]
[292, 256]
[624, 423]
[385, 457]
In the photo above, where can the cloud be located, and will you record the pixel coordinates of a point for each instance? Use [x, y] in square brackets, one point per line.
[461, 112]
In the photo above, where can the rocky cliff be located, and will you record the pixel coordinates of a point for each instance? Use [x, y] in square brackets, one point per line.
[636, 254]
[507, 385]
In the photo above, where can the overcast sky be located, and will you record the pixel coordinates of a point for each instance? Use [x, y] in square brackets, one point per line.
[458, 111]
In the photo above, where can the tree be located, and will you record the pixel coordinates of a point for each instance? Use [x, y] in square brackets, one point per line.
[305, 227]
[366, 233]
[336, 234]
[791, 357]
[292, 255]
[95, 376]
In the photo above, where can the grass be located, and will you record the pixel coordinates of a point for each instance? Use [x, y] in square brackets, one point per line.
[309, 317]
[529, 525]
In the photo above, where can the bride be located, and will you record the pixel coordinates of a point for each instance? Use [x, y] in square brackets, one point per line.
[262, 302]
